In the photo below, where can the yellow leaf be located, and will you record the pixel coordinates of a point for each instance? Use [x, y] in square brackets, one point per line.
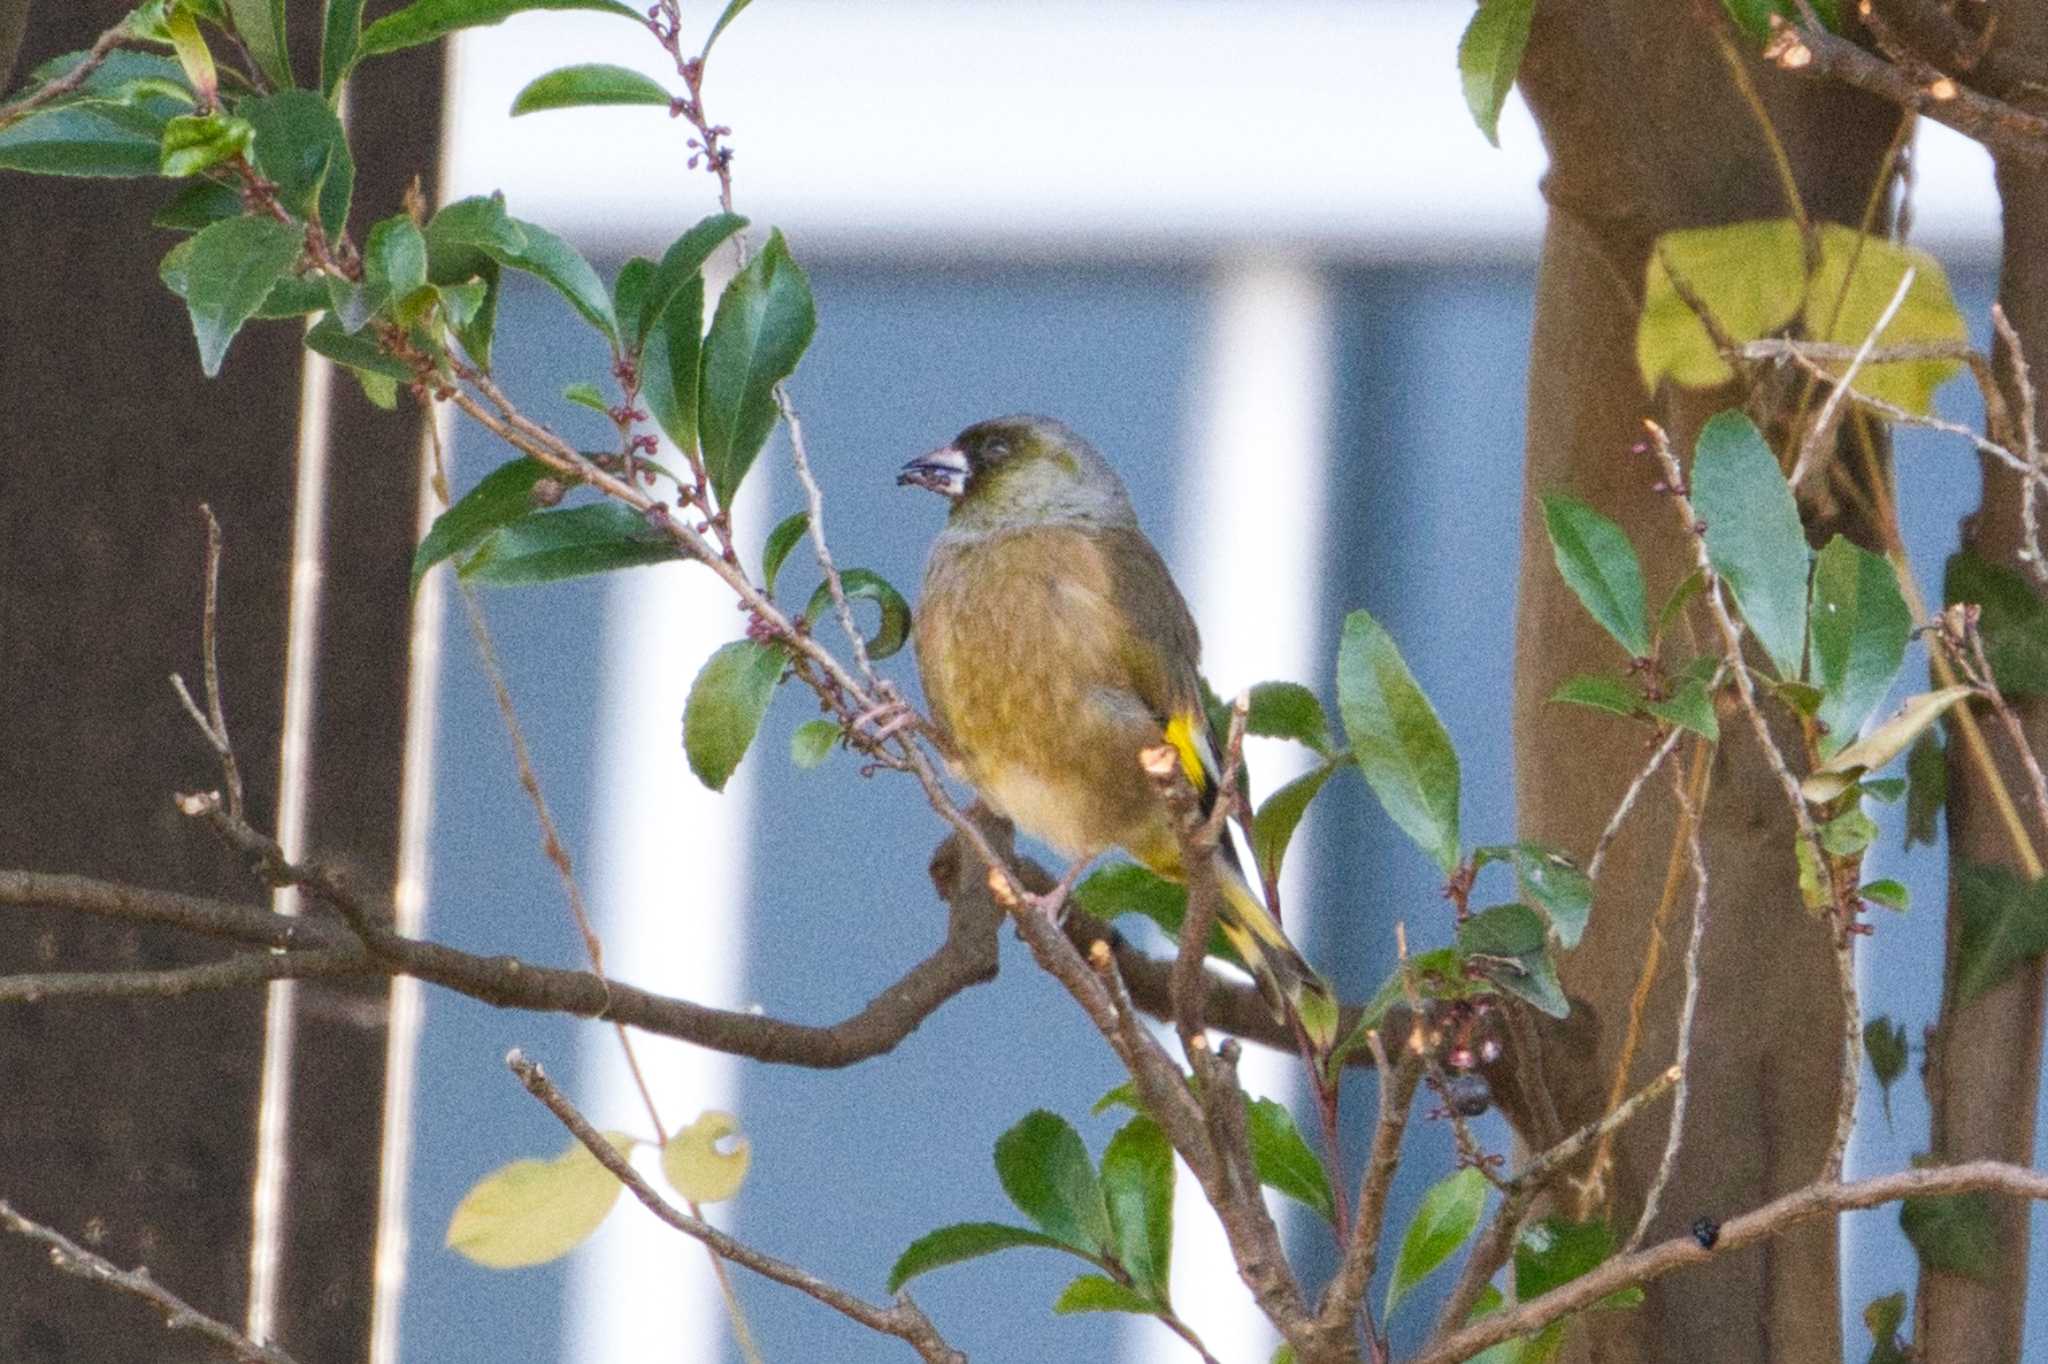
[533, 1211]
[696, 1166]
[1881, 745]
[1750, 276]
[1927, 314]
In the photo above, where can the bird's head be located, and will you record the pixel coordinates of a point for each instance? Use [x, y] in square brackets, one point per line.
[1022, 471]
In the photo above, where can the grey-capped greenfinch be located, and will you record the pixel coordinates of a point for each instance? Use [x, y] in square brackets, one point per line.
[1054, 648]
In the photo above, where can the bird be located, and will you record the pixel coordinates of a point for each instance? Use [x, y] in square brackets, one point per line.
[1054, 649]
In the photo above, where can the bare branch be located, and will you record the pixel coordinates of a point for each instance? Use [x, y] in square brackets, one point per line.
[71, 1258]
[902, 1319]
[1823, 426]
[1819, 1199]
[1808, 49]
[212, 722]
[117, 36]
[1345, 1297]
[177, 981]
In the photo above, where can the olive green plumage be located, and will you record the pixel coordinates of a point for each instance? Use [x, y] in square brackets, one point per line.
[1054, 647]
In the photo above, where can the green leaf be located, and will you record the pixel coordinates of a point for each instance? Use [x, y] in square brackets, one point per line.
[2011, 619]
[260, 24]
[197, 203]
[1095, 1293]
[1557, 886]
[549, 546]
[359, 353]
[1953, 1233]
[549, 258]
[1926, 789]
[784, 538]
[1885, 789]
[1688, 587]
[230, 268]
[1045, 1170]
[1137, 1186]
[962, 1241]
[764, 321]
[1881, 745]
[1883, 1317]
[629, 297]
[725, 707]
[1400, 744]
[1600, 566]
[1754, 16]
[1598, 693]
[181, 30]
[301, 146]
[586, 395]
[1690, 706]
[1509, 944]
[1552, 1252]
[1283, 1159]
[425, 20]
[862, 584]
[1274, 825]
[123, 76]
[1873, 267]
[91, 137]
[1753, 534]
[726, 16]
[570, 87]
[669, 365]
[340, 38]
[197, 142]
[2002, 921]
[1848, 833]
[456, 241]
[500, 497]
[1489, 55]
[1448, 1215]
[682, 264]
[532, 1211]
[812, 742]
[1859, 627]
[1750, 276]
[1127, 888]
[1884, 1042]
[1813, 880]
[1288, 710]
[698, 1167]
[1891, 894]
[394, 264]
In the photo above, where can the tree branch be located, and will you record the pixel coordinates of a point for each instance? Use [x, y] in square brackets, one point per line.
[902, 1319]
[71, 1258]
[1801, 1205]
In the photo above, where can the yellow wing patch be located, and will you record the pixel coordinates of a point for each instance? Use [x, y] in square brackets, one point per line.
[1193, 746]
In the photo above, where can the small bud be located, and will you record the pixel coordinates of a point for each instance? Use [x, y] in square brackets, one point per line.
[547, 492]
[1706, 1231]
[1942, 90]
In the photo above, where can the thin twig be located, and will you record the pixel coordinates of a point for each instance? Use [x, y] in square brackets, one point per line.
[1497, 1242]
[1344, 1299]
[1823, 426]
[212, 722]
[1689, 813]
[1629, 799]
[118, 36]
[1819, 1199]
[71, 1258]
[2030, 444]
[902, 1319]
[175, 982]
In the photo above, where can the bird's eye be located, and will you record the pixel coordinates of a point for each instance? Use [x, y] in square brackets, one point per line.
[997, 449]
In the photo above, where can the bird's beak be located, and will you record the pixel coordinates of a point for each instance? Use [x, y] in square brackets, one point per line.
[942, 471]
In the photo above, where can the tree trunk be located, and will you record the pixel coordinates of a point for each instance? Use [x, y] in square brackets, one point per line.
[1983, 1066]
[1648, 131]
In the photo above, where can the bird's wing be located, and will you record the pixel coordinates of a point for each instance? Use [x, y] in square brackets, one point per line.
[1162, 654]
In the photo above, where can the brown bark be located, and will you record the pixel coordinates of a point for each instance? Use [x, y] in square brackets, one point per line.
[1984, 1059]
[1647, 131]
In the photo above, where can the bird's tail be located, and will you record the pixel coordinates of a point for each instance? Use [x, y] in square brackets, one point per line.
[1290, 985]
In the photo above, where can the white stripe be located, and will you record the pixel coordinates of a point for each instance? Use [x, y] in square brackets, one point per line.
[302, 650]
[1249, 558]
[407, 1011]
[669, 891]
